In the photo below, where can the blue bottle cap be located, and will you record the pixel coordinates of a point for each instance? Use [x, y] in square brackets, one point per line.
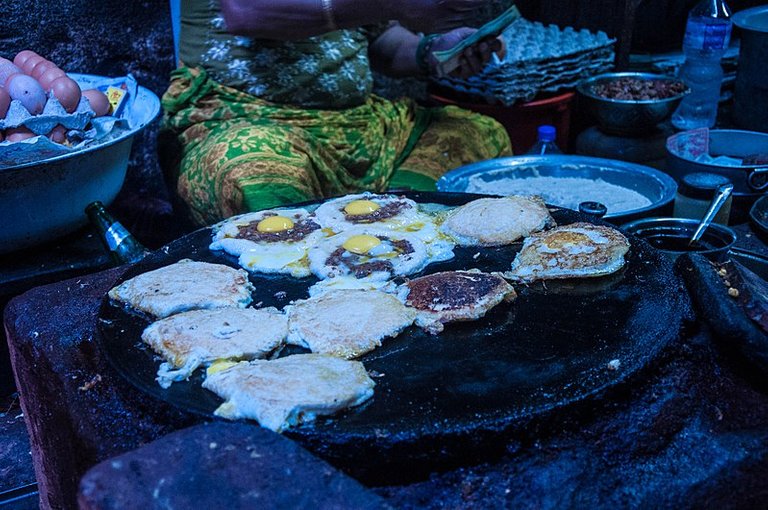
[547, 133]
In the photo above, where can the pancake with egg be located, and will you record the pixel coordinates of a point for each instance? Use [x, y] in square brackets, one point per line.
[451, 296]
[185, 285]
[288, 391]
[497, 221]
[370, 252]
[578, 250]
[347, 323]
[199, 337]
[271, 241]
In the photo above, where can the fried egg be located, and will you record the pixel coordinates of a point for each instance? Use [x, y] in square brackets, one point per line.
[382, 211]
[496, 221]
[370, 252]
[578, 250]
[272, 241]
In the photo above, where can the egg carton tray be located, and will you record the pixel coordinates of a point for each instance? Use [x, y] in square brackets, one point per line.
[539, 59]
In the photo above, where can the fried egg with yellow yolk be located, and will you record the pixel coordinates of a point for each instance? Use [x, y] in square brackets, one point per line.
[376, 254]
[272, 241]
[380, 211]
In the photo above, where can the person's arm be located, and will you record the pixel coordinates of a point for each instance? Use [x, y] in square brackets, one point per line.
[299, 19]
[397, 52]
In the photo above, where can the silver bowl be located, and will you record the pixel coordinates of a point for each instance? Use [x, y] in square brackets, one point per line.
[627, 117]
[656, 186]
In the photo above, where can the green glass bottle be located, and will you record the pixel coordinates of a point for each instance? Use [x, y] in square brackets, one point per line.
[121, 244]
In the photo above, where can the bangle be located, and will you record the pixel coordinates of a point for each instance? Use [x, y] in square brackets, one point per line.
[330, 21]
[423, 50]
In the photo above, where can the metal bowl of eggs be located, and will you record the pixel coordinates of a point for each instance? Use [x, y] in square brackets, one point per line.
[45, 199]
[631, 103]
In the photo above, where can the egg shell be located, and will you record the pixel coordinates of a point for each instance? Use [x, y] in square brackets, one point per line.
[23, 56]
[40, 68]
[28, 91]
[98, 101]
[5, 102]
[30, 63]
[67, 91]
[48, 76]
[7, 69]
[18, 134]
[58, 134]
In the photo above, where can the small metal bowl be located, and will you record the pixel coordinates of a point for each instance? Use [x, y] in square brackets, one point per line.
[671, 236]
[627, 117]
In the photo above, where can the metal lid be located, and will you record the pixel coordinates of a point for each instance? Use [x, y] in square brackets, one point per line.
[701, 184]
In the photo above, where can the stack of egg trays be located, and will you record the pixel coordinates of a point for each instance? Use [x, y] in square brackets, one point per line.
[539, 59]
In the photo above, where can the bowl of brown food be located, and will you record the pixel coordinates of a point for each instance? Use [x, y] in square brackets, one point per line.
[631, 103]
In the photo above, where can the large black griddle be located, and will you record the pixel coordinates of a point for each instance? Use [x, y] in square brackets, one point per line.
[435, 396]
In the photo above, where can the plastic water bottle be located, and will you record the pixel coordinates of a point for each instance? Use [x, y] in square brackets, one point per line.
[707, 35]
[545, 144]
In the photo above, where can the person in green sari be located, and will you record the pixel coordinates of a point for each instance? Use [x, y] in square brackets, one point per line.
[271, 103]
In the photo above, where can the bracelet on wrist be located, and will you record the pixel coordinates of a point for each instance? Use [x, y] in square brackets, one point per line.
[424, 50]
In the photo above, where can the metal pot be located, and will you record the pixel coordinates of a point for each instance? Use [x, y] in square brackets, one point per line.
[750, 105]
[749, 181]
[45, 199]
[656, 186]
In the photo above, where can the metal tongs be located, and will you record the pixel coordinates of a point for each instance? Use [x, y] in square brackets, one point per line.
[721, 195]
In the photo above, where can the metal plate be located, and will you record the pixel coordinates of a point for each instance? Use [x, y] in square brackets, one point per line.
[653, 184]
[549, 348]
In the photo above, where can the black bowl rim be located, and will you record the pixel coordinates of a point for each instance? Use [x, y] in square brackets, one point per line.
[726, 234]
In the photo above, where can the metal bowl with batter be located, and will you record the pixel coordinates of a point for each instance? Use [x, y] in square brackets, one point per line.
[571, 174]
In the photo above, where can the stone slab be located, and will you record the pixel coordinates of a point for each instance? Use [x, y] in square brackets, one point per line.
[77, 409]
[221, 465]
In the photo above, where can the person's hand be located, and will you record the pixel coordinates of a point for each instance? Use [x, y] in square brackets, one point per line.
[474, 58]
[434, 16]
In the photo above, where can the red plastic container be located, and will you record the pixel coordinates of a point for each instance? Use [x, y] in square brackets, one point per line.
[522, 120]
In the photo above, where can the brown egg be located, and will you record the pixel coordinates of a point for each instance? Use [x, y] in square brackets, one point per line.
[23, 56]
[98, 101]
[5, 102]
[18, 134]
[7, 68]
[28, 91]
[48, 76]
[40, 68]
[30, 63]
[58, 134]
[67, 91]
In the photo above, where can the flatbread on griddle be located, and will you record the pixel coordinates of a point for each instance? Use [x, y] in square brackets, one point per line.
[289, 391]
[451, 296]
[185, 285]
[199, 337]
[497, 221]
[347, 323]
[578, 250]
